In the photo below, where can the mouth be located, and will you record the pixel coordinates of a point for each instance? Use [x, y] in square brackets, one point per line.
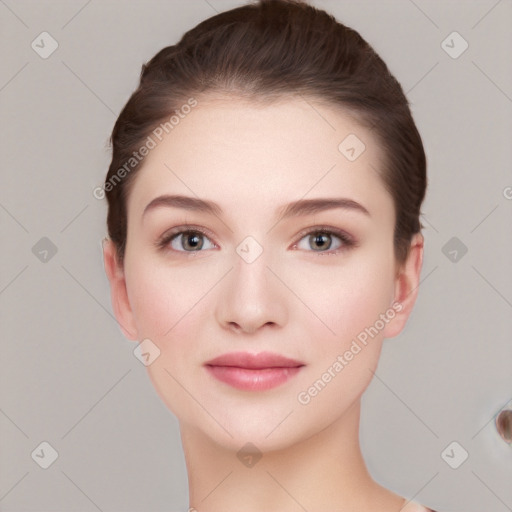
[253, 372]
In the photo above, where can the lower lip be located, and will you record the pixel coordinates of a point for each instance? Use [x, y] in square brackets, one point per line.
[253, 380]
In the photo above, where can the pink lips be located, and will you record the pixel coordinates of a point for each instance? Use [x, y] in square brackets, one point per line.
[253, 372]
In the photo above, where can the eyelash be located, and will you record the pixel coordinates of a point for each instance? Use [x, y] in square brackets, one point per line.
[347, 240]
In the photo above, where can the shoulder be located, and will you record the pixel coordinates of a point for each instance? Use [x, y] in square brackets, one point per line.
[413, 506]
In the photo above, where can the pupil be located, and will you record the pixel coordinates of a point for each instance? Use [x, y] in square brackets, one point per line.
[321, 240]
[196, 242]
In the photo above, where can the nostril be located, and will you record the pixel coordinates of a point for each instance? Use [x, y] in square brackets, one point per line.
[234, 326]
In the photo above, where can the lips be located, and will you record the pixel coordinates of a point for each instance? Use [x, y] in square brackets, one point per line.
[253, 372]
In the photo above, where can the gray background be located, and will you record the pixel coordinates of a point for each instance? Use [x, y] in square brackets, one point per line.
[68, 377]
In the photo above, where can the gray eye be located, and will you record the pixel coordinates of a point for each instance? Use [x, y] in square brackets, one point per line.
[320, 241]
[190, 241]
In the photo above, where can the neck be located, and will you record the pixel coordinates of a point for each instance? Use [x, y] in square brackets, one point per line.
[323, 472]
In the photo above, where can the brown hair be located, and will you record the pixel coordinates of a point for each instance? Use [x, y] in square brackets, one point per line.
[265, 51]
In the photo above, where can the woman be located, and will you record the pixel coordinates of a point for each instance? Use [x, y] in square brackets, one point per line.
[264, 238]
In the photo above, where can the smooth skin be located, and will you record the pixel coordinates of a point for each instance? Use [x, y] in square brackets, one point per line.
[305, 297]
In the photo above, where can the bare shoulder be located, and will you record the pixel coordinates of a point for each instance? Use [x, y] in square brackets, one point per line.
[413, 506]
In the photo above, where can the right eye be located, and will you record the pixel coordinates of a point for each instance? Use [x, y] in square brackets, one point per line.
[191, 240]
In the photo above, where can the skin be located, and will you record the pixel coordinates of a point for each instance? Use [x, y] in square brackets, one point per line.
[292, 300]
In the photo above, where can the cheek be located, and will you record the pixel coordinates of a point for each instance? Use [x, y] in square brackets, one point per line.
[366, 295]
[355, 305]
[347, 299]
[164, 297]
[169, 307]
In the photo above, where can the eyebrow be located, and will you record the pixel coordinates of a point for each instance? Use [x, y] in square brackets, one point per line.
[310, 206]
[296, 208]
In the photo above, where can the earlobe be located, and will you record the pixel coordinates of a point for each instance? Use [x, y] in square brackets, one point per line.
[406, 287]
[118, 291]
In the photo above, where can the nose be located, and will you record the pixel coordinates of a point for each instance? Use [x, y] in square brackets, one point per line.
[251, 298]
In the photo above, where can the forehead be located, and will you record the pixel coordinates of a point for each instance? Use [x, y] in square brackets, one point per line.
[253, 156]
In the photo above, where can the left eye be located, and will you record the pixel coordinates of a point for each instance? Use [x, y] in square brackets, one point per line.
[321, 241]
[190, 241]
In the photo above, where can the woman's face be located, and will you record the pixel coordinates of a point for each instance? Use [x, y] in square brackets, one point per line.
[317, 286]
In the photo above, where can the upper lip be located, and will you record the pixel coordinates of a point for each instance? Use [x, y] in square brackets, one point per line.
[254, 361]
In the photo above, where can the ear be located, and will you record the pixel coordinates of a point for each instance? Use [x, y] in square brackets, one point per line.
[118, 292]
[407, 283]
